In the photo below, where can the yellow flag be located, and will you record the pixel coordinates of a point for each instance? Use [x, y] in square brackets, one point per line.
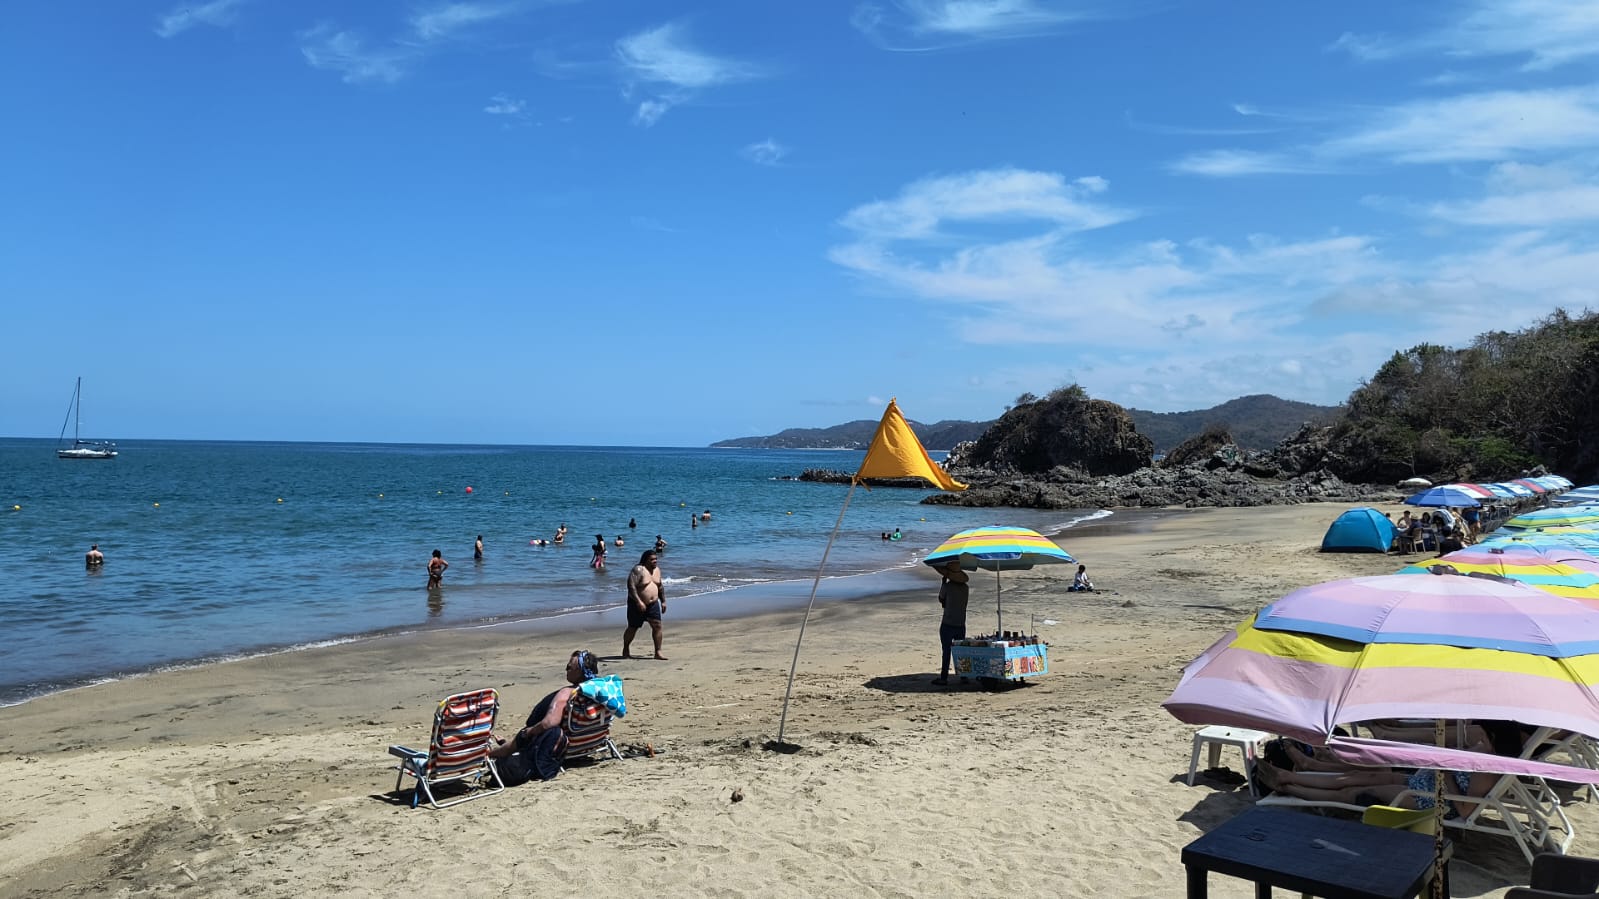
[896, 453]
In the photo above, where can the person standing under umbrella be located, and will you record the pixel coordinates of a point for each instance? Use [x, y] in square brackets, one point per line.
[952, 595]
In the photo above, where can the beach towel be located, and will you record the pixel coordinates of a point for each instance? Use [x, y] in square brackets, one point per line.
[606, 690]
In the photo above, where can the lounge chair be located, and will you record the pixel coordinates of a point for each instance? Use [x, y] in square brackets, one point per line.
[1525, 809]
[457, 751]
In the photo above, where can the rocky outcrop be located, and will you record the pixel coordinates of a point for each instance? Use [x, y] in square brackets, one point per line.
[1198, 448]
[1227, 476]
[1067, 428]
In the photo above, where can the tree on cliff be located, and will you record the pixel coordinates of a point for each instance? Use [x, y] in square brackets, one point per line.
[1509, 401]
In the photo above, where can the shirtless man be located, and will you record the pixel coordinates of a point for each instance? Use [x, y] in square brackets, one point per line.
[646, 603]
[93, 558]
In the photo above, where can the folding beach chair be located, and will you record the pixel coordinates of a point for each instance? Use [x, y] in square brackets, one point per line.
[457, 751]
[588, 728]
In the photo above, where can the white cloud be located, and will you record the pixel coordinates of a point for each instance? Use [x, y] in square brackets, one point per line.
[661, 55]
[1485, 126]
[327, 48]
[217, 13]
[1518, 195]
[501, 104]
[650, 111]
[661, 62]
[442, 21]
[946, 22]
[765, 152]
[1022, 268]
[1234, 163]
[1548, 33]
[995, 195]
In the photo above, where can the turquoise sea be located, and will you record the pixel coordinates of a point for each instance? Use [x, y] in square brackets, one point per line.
[204, 562]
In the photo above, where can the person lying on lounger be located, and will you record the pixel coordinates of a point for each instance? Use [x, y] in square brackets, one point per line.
[1328, 780]
[536, 751]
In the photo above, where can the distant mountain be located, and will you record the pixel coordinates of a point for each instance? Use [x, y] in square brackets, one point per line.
[857, 434]
[1257, 422]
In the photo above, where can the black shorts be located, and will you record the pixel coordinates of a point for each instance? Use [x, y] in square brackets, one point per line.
[636, 618]
[538, 758]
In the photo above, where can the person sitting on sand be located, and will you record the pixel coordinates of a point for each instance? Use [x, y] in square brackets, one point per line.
[537, 750]
[1081, 583]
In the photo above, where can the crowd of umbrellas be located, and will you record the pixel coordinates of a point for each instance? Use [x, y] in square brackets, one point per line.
[1505, 629]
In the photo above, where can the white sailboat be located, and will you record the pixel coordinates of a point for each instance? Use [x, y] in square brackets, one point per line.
[81, 449]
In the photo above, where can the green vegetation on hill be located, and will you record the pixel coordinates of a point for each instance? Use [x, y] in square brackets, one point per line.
[1257, 422]
[1486, 412]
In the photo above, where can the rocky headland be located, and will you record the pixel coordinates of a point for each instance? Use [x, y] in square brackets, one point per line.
[1068, 451]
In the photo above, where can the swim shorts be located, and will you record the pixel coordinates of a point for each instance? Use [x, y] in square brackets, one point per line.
[636, 618]
[1425, 788]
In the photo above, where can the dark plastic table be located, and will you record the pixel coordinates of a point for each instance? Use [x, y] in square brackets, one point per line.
[1313, 855]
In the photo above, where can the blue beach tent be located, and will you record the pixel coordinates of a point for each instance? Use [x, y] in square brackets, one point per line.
[1362, 530]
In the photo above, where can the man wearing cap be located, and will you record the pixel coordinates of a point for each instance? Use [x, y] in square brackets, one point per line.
[952, 595]
[537, 750]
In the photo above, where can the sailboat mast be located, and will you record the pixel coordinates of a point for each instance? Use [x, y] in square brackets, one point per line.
[77, 405]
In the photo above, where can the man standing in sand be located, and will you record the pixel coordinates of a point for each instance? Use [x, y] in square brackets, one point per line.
[646, 603]
[93, 558]
[952, 595]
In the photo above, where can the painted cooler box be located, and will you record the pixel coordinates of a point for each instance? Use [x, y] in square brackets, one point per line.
[1005, 662]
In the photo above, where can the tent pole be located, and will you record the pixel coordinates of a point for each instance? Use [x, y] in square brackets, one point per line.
[782, 722]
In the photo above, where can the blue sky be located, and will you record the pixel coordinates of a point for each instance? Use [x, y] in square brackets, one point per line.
[664, 223]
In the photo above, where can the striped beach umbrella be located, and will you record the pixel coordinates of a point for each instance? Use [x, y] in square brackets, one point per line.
[1530, 484]
[1559, 578]
[1511, 552]
[1476, 490]
[1395, 646]
[1520, 491]
[998, 549]
[1563, 517]
[1452, 495]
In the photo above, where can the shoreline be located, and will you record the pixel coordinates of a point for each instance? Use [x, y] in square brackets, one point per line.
[268, 777]
[740, 601]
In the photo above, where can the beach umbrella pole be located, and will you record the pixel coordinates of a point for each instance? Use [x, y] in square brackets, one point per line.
[782, 722]
[999, 616]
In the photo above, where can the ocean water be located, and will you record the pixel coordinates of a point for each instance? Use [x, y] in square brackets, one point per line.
[204, 562]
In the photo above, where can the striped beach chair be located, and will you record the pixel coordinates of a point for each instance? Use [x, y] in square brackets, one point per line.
[588, 728]
[458, 750]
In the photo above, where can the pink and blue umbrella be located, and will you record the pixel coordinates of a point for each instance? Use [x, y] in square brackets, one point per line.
[1398, 646]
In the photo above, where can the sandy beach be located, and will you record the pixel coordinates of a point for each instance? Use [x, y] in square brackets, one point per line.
[269, 777]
